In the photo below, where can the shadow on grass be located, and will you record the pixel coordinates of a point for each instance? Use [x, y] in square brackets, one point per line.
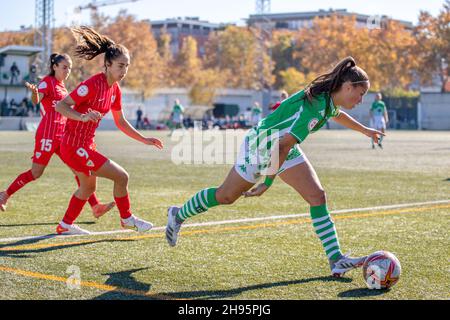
[128, 287]
[221, 294]
[39, 224]
[361, 293]
[7, 250]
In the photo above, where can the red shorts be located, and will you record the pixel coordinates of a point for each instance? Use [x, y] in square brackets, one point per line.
[82, 159]
[44, 150]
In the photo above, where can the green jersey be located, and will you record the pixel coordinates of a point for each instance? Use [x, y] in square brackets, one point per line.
[378, 108]
[256, 111]
[297, 116]
[177, 109]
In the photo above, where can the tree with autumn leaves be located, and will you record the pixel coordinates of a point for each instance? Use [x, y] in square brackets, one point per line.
[243, 57]
[432, 36]
[384, 53]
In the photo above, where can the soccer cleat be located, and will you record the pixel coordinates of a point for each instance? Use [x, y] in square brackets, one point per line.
[3, 199]
[135, 223]
[101, 209]
[173, 226]
[380, 146]
[344, 264]
[72, 229]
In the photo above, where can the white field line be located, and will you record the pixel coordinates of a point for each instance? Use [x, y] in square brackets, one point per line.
[224, 222]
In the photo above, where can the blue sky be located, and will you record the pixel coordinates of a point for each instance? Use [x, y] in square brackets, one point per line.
[14, 13]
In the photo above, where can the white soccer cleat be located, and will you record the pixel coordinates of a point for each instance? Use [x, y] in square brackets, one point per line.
[3, 199]
[135, 223]
[70, 229]
[173, 226]
[345, 264]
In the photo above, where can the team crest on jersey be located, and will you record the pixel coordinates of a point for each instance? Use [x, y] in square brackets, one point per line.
[113, 98]
[42, 85]
[83, 91]
[38, 155]
[312, 124]
[90, 164]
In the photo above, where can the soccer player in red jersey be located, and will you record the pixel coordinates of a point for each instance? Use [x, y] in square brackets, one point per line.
[48, 137]
[283, 96]
[84, 108]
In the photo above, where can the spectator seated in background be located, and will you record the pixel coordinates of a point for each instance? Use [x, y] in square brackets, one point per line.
[188, 122]
[146, 123]
[4, 108]
[242, 123]
[22, 110]
[29, 106]
[12, 108]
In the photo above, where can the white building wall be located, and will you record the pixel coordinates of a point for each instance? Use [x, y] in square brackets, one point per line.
[434, 111]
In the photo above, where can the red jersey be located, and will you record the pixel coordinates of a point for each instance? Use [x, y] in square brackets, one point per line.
[275, 106]
[52, 123]
[93, 94]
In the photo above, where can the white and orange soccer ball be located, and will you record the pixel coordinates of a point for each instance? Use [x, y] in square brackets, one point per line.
[381, 270]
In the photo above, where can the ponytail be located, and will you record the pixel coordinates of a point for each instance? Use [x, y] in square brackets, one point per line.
[345, 70]
[90, 44]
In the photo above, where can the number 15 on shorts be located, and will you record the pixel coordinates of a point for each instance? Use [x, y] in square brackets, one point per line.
[46, 145]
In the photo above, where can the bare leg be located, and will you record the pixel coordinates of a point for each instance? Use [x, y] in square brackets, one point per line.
[304, 180]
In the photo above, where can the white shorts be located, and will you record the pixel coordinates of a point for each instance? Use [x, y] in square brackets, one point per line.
[252, 172]
[379, 123]
[256, 119]
[177, 119]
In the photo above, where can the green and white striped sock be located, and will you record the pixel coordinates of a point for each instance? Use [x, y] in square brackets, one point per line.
[326, 231]
[199, 203]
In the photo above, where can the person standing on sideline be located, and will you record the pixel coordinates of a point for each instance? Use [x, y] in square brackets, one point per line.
[379, 117]
[139, 114]
[177, 116]
[256, 113]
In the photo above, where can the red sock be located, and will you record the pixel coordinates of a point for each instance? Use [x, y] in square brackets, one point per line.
[20, 182]
[123, 204]
[93, 200]
[73, 211]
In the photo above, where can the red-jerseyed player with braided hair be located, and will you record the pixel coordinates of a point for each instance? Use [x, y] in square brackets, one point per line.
[48, 137]
[91, 100]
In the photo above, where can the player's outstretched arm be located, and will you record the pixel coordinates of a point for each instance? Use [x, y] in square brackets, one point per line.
[347, 121]
[124, 126]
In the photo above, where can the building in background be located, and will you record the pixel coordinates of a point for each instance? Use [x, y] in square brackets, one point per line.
[16, 67]
[299, 20]
[180, 28]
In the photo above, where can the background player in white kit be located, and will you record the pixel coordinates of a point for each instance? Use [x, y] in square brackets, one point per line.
[379, 117]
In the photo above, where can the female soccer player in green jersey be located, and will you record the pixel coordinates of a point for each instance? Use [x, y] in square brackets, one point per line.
[271, 149]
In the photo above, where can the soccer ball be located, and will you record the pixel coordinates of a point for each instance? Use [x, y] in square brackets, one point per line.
[381, 270]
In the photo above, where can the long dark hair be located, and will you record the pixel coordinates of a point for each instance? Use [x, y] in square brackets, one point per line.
[56, 59]
[345, 70]
[91, 44]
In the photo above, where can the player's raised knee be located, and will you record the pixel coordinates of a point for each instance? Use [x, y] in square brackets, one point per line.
[123, 178]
